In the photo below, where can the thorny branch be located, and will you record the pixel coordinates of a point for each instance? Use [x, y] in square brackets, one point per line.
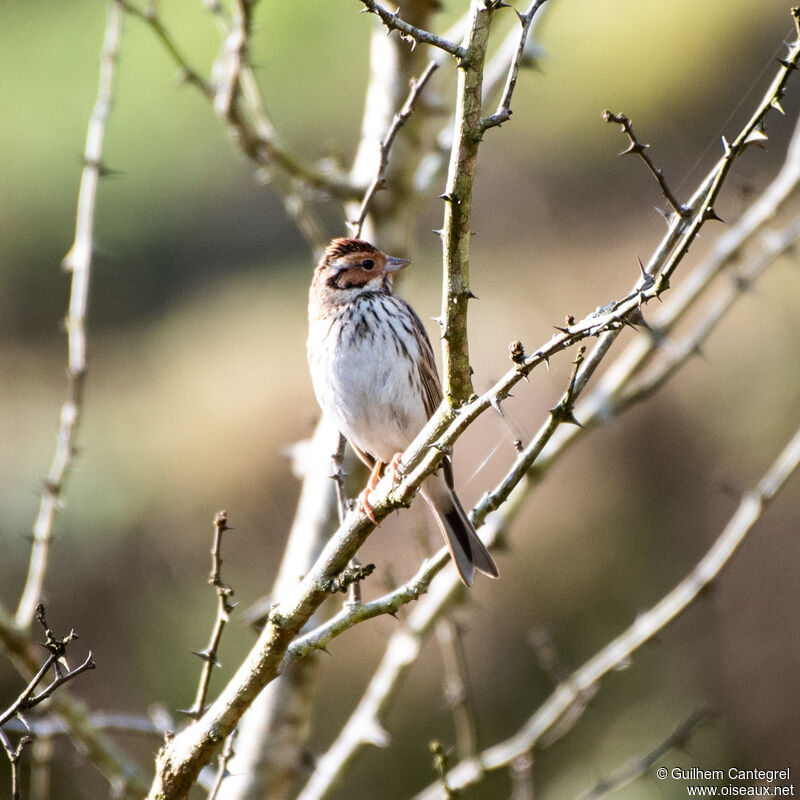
[455, 689]
[222, 766]
[503, 112]
[78, 261]
[393, 22]
[456, 228]
[224, 609]
[640, 149]
[29, 698]
[14, 755]
[258, 142]
[399, 120]
[642, 630]
[601, 404]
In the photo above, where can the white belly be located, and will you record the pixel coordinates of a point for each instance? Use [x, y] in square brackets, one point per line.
[367, 385]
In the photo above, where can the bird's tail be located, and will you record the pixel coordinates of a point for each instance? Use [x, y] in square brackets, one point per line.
[468, 551]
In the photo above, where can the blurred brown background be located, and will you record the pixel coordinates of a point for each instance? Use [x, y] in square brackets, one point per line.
[197, 378]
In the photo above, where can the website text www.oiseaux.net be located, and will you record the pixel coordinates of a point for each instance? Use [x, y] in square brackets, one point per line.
[740, 782]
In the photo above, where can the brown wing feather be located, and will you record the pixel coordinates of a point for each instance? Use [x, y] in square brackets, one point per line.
[431, 386]
[429, 377]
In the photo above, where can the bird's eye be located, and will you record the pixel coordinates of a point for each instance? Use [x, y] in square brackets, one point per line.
[368, 264]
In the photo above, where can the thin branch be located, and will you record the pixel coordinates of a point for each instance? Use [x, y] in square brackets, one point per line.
[400, 119]
[188, 73]
[503, 112]
[676, 354]
[78, 261]
[440, 762]
[222, 766]
[608, 397]
[642, 630]
[456, 229]
[49, 726]
[522, 778]
[639, 767]
[14, 755]
[640, 149]
[121, 772]
[224, 609]
[393, 22]
[259, 143]
[495, 73]
[456, 693]
[57, 647]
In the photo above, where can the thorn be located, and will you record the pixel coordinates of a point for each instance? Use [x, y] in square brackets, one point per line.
[786, 64]
[634, 147]
[495, 404]
[438, 231]
[726, 148]
[205, 655]
[647, 279]
[666, 213]
[756, 136]
[710, 214]
[470, 296]
[776, 104]
[635, 317]
[563, 414]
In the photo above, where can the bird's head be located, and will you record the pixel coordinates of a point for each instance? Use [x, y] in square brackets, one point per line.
[352, 265]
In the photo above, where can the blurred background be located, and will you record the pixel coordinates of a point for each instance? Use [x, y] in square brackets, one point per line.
[197, 381]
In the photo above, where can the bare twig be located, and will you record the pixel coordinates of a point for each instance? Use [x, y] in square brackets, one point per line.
[188, 73]
[122, 773]
[640, 149]
[222, 766]
[78, 261]
[503, 112]
[393, 22]
[378, 182]
[440, 762]
[522, 778]
[638, 767]
[258, 142]
[14, 755]
[224, 609]
[676, 354]
[273, 733]
[642, 630]
[456, 693]
[614, 390]
[29, 698]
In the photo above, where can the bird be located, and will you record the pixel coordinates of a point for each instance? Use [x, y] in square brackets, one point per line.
[374, 375]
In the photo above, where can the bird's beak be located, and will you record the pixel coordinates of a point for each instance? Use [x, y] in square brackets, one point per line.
[395, 264]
